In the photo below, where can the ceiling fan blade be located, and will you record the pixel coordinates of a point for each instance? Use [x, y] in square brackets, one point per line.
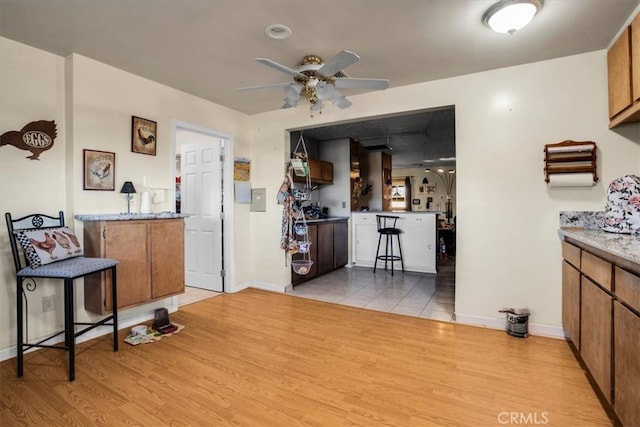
[292, 95]
[327, 91]
[265, 86]
[280, 67]
[342, 102]
[338, 63]
[371, 84]
[317, 105]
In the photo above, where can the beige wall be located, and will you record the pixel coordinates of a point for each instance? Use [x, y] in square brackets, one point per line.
[92, 104]
[508, 250]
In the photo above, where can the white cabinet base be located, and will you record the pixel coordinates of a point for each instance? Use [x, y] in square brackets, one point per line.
[418, 240]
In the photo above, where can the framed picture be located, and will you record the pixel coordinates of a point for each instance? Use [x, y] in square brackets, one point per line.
[144, 134]
[99, 168]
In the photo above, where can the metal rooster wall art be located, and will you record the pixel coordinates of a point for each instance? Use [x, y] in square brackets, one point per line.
[36, 137]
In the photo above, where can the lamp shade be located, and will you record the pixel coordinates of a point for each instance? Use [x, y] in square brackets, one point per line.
[425, 180]
[128, 187]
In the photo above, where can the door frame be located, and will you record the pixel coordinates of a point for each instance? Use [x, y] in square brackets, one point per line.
[228, 208]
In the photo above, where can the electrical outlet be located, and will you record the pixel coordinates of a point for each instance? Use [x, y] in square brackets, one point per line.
[344, 205]
[48, 303]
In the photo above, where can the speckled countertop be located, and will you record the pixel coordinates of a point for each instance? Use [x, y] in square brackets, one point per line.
[586, 227]
[329, 219]
[127, 217]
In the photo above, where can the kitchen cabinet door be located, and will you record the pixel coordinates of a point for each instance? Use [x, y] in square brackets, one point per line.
[125, 241]
[325, 248]
[365, 240]
[167, 257]
[340, 244]
[571, 303]
[619, 74]
[627, 365]
[418, 242]
[595, 334]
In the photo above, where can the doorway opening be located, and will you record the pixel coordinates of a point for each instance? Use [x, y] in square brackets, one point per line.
[203, 168]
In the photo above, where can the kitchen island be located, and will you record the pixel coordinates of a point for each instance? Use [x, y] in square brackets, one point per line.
[418, 239]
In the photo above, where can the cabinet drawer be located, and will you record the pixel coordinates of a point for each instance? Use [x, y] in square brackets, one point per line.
[571, 254]
[597, 269]
[628, 288]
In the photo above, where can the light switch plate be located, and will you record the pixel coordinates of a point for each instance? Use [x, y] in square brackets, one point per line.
[258, 200]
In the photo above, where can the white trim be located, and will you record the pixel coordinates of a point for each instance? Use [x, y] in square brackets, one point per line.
[227, 195]
[488, 322]
[123, 323]
[261, 285]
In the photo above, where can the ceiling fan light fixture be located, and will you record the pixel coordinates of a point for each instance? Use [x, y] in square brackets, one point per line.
[278, 32]
[509, 16]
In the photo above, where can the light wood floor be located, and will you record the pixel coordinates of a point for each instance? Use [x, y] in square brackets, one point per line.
[265, 359]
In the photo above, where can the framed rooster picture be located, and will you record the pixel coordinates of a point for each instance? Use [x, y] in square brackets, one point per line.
[99, 169]
[144, 134]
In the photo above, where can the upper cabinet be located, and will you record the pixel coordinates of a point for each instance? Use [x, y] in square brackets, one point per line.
[623, 67]
[320, 172]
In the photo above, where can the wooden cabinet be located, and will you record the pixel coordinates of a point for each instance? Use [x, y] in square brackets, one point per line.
[325, 248]
[602, 291]
[320, 172]
[571, 303]
[595, 334]
[623, 71]
[151, 255]
[626, 348]
[340, 244]
[329, 249]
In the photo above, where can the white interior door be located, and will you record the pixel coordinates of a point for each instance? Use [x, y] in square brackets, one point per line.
[201, 199]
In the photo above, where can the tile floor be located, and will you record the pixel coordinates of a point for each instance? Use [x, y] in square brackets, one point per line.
[192, 295]
[414, 294]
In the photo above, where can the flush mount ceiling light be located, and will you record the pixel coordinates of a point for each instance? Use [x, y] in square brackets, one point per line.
[508, 16]
[278, 31]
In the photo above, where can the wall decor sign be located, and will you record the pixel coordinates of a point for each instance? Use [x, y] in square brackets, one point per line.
[99, 169]
[144, 134]
[36, 137]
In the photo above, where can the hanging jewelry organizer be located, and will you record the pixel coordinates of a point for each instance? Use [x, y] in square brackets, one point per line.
[570, 157]
[295, 233]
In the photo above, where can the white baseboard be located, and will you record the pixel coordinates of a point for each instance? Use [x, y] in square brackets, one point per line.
[123, 323]
[261, 285]
[488, 322]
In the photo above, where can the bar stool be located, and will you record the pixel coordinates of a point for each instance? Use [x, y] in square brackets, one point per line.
[387, 228]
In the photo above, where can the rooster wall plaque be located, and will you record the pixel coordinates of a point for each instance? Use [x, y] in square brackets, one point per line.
[36, 137]
[143, 136]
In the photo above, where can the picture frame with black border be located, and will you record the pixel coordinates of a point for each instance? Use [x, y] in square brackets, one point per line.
[98, 170]
[144, 136]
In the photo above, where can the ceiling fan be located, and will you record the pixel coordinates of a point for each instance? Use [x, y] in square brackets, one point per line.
[317, 81]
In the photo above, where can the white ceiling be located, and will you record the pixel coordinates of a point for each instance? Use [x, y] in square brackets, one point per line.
[207, 48]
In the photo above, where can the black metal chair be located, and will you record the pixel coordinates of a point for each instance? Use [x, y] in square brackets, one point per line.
[387, 228]
[68, 270]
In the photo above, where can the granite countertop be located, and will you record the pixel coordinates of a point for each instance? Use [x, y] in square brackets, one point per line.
[127, 217]
[397, 212]
[625, 246]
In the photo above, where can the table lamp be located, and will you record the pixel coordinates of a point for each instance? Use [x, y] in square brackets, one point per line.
[128, 189]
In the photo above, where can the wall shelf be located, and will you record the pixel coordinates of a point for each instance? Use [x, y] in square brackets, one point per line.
[570, 157]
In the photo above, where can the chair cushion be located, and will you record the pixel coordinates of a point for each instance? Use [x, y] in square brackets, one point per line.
[69, 268]
[47, 245]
